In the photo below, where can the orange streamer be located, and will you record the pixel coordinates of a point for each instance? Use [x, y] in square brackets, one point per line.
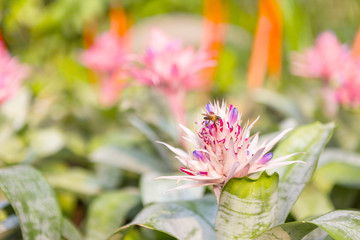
[215, 17]
[89, 33]
[120, 22]
[259, 55]
[356, 45]
[2, 39]
[271, 10]
[267, 44]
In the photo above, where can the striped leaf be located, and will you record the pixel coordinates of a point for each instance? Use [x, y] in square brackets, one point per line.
[311, 140]
[183, 220]
[108, 211]
[247, 207]
[34, 202]
[69, 231]
[339, 224]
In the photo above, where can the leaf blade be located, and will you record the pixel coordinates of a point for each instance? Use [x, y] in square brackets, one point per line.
[34, 202]
[246, 207]
[69, 231]
[339, 224]
[108, 211]
[177, 219]
[311, 139]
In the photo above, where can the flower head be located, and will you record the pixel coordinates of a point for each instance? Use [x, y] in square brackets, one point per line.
[169, 66]
[348, 92]
[333, 63]
[110, 58]
[172, 69]
[224, 149]
[323, 60]
[107, 54]
[12, 73]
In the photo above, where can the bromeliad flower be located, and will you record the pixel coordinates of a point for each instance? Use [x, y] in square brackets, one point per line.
[333, 63]
[324, 60]
[108, 57]
[12, 73]
[348, 93]
[224, 149]
[172, 68]
[107, 54]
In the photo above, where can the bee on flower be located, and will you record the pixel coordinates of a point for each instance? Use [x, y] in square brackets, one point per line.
[211, 117]
[224, 149]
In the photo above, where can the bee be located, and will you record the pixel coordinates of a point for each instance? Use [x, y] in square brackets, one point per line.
[211, 117]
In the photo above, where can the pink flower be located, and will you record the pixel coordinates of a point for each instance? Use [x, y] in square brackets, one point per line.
[348, 93]
[12, 73]
[333, 63]
[109, 58]
[172, 68]
[107, 54]
[111, 86]
[223, 149]
[323, 60]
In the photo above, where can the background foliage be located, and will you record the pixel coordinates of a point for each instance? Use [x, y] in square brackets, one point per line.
[92, 164]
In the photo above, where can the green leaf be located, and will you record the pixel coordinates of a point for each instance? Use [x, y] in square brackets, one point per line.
[280, 103]
[48, 141]
[151, 135]
[108, 176]
[318, 234]
[206, 208]
[310, 139]
[34, 202]
[337, 166]
[69, 231]
[182, 220]
[128, 159]
[337, 173]
[339, 224]
[247, 207]
[288, 231]
[75, 180]
[154, 191]
[17, 108]
[108, 212]
[312, 202]
[331, 155]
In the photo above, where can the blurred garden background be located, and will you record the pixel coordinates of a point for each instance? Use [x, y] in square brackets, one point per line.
[87, 116]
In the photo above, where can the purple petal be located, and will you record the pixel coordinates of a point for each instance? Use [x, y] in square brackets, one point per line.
[209, 107]
[199, 155]
[233, 115]
[266, 158]
[208, 124]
